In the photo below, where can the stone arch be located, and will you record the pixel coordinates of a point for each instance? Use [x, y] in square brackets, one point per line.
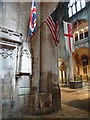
[82, 18]
[62, 72]
[81, 68]
[25, 51]
[80, 29]
[84, 56]
[79, 21]
[25, 59]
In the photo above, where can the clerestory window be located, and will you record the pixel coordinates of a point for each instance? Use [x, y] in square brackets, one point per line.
[75, 6]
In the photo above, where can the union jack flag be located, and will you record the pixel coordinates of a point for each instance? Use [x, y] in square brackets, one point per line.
[32, 24]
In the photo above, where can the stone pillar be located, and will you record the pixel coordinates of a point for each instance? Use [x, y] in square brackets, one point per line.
[35, 80]
[45, 90]
[68, 71]
[71, 68]
[49, 60]
[1, 76]
[88, 12]
[48, 54]
[63, 15]
[35, 49]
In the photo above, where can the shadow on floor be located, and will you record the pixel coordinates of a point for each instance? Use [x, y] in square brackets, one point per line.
[81, 104]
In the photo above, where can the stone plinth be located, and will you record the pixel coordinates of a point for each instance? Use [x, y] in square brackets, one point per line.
[41, 103]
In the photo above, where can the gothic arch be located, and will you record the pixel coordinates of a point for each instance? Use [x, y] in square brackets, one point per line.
[81, 51]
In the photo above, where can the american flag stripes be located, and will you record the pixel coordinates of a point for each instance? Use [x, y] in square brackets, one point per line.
[52, 23]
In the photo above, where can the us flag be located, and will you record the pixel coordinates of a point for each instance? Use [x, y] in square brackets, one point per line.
[52, 23]
[32, 23]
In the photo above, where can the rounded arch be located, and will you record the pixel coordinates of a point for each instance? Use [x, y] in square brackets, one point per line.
[84, 56]
[63, 65]
[81, 62]
[81, 51]
[80, 29]
[77, 20]
[62, 71]
[84, 59]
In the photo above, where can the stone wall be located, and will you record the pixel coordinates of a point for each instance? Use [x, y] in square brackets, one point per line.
[15, 89]
[80, 15]
[63, 53]
[63, 15]
[8, 56]
[22, 93]
[14, 16]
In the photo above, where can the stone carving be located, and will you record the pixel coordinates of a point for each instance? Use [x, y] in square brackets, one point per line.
[10, 37]
[25, 59]
[9, 43]
[25, 51]
[5, 52]
[41, 103]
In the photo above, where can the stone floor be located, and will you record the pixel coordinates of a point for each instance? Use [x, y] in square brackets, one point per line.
[75, 105]
[79, 109]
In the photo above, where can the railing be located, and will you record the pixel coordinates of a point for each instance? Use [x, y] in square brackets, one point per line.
[77, 83]
[78, 78]
[81, 43]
